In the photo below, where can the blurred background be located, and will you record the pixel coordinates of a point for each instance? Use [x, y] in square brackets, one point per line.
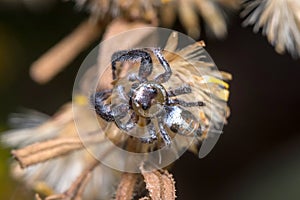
[257, 157]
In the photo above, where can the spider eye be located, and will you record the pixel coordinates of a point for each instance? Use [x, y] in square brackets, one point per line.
[145, 106]
[154, 91]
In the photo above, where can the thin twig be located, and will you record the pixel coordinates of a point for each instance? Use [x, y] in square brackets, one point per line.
[42, 151]
[54, 60]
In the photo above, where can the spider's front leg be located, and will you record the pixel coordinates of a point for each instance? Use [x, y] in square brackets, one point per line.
[164, 77]
[105, 111]
[133, 55]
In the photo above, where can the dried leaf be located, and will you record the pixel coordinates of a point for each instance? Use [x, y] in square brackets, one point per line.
[160, 184]
[126, 186]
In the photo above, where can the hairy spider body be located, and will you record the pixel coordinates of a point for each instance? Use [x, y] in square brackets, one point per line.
[148, 100]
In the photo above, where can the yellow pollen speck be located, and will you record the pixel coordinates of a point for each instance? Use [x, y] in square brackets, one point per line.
[81, 100]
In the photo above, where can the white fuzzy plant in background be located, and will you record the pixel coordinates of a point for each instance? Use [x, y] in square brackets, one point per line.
[279, 21]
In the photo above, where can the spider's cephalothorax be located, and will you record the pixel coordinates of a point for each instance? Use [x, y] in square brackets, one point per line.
[148, 100]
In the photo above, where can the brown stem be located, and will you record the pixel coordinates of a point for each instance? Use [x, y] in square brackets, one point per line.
[54, 60]
[42, 151]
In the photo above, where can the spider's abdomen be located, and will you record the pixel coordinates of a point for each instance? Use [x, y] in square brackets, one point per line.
[180, 120]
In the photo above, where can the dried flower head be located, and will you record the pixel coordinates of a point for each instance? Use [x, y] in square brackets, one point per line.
[57, 162]
[164, 12]
[212, 12]
[279, 20]
[152, 12]
[52, 159]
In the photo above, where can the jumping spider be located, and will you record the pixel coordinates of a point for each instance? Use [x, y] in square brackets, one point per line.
[148, 99]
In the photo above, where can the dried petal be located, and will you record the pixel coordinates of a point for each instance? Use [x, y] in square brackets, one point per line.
[165, 12]
[279, 20]
[168, 14]
[189, 18]
[213, 17]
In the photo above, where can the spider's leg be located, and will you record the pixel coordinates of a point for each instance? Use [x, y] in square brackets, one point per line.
[120, 111]
[164, 77]
[102, 109]
[185, 89]
[152, 134]
[165, 136]
[130, 124]
[184, 103]
[114, 59]
[133, 55]
[122, 93]
[199, 131]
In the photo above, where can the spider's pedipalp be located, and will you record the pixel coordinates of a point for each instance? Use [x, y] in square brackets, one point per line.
[122, 93]
[130, 124]
[164, 77]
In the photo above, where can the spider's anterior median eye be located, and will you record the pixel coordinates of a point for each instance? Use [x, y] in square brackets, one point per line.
[148, 99]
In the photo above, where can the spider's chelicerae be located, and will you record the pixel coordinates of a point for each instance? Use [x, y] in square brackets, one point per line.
[148, 99]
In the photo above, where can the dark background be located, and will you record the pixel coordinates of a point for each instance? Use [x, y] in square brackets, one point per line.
[257, 157]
